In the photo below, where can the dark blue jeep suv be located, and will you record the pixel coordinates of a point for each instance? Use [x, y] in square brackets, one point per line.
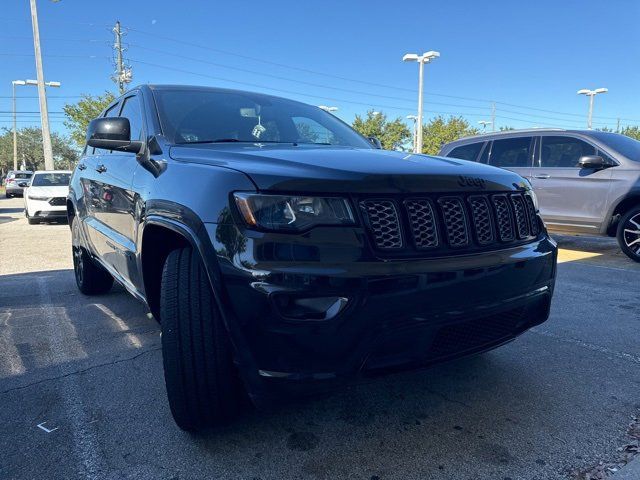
[283, 253]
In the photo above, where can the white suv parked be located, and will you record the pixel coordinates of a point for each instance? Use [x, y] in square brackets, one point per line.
[46, 195]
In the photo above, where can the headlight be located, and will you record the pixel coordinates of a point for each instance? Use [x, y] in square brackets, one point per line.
[292, 213]
[37, 197]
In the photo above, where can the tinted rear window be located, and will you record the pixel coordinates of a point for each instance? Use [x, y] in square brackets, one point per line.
[21, 175]
[622, 144]
[466, 152]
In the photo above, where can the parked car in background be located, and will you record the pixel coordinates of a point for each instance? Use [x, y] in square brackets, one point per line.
[46, 195]
[586, 181]
[284, 254]
[16, 182]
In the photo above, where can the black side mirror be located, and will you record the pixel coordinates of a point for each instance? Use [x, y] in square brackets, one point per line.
[592, 161]
[112, 133]
[375, 142]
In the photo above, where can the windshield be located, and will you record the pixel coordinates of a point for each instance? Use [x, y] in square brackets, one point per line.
[203, 116]
[50, 179]
[622, 144]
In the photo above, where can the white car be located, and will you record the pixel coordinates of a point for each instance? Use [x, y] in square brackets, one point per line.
[46, 195]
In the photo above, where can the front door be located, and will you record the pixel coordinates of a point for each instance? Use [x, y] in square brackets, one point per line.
[116, 216]
[571, 198]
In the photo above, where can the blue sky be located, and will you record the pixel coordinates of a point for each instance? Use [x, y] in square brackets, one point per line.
[530, 57]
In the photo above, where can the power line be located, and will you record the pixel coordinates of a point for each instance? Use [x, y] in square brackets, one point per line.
[329, 75]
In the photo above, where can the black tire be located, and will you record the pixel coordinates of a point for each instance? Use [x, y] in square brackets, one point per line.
[201, 379]
[33, 221]
[91, 278]
[629, 234]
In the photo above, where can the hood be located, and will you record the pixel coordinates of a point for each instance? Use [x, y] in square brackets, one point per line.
[289, 168]
[57, 191]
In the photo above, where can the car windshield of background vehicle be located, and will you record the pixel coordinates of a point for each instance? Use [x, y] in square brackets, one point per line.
[201, 116]
[51, 180]
[622, 144]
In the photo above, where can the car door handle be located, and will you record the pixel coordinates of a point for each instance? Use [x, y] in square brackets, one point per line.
[542, 176]
[101, 168]
[82, 166]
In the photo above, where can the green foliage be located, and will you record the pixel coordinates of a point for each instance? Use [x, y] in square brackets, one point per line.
[392, 134]
[440, 131]
[30, 150]
[81, 113]
[506, 128]
[633, 132]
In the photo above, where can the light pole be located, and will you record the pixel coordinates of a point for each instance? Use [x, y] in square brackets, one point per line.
[421, 59]
[15, 83]
[328, 109]
[415, 133]
[484, 124]
[15, 130]
[591, 94]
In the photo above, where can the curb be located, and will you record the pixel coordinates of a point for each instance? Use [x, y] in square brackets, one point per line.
[631, 471]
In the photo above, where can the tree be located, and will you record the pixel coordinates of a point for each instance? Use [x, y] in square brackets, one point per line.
[30, 149]
[633, 132]
[81, 113]
[506, 128]
[392, 134]
[440, 131]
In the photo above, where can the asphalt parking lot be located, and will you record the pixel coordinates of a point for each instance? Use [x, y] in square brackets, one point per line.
[82, 392]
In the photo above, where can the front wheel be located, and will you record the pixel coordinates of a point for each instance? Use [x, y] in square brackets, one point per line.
[201, 380]
[629, 233]
[91, 278]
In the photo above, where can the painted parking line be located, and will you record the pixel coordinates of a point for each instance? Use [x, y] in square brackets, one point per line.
[565, 255]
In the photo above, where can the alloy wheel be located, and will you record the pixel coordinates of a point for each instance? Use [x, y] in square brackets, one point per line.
[631, 234]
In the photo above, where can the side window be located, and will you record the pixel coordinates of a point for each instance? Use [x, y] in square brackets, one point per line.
[563, 152]
[511, 153]
[466, 152]
[131, 110]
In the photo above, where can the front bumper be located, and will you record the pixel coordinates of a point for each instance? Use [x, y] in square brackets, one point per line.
[43, 209]
[399, 314]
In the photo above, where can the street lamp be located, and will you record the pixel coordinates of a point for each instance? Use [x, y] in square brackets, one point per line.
[484, 124]
[328, 109]
[15, 83]
[421, 59]
[415, 127]
[591, 94]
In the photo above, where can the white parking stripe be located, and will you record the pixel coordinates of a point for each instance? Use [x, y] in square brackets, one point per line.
[85, 443]
[132, 338]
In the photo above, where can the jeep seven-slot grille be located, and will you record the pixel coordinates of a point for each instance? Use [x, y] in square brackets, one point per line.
[460, 222]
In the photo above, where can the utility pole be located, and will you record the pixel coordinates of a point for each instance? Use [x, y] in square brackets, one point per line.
[118, 47]
[618, 126]
[493, 116]
[42, 94]
[123, 74]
